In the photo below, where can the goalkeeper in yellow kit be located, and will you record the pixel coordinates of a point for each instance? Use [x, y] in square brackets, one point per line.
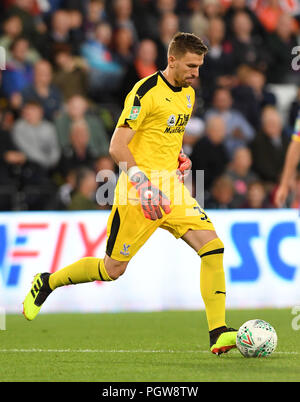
[150, 192]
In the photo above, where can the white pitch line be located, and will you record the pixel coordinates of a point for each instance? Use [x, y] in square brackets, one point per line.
[115, 351]
[98, 351]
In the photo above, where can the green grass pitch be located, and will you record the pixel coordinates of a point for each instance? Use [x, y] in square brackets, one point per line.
[158, 346]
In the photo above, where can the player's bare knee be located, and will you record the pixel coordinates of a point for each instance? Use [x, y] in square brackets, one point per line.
[116, 272]
[114, 268]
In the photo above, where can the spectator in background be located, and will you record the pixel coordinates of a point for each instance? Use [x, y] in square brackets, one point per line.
[165, 6]
[124, 46]
[143, 65]
[256, 196]
[209, 153]
[250, 94]
[238, 131]
[105, 72]
[18, 73]
[280, 44]
[222, 194]
[63, 196]
[244, 99]
[257, 81]
[269, 13]
[58, 35]
[196, 21]
[95, 14]
[239, 170]
[77, 110]
[269, 147]
[36, 137]
[79, 5]
[246, 48]
[168, 26]
[70, 75]
[105, 163]
[12, 29]
[145, 59]
[43, 91]
[155, 12]
[218, 63]
[212, 8]
[6, 112]
[234, 8]
[22, 9]
[122, 17]
[12, 162]
[83, 197]
[77, 35]
[77, 153]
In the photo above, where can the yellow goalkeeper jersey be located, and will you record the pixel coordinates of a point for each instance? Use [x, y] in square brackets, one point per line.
[158, 112]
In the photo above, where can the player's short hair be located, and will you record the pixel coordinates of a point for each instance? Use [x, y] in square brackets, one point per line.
[186, 42]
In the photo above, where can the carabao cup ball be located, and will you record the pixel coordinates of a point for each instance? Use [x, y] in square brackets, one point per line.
[256, 338]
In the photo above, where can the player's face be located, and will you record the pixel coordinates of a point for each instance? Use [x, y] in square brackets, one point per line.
[186, 68]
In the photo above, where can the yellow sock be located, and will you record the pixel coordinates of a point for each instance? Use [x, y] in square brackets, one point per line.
[212, 282]
[87, 269]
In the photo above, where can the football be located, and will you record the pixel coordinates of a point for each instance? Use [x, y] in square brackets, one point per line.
[256, 338]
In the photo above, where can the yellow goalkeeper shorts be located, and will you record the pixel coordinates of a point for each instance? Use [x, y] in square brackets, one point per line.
[128, 229]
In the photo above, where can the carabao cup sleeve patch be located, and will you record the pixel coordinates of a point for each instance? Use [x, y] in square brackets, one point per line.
[134, 113]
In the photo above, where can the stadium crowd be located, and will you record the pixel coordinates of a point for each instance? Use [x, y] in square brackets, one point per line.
[70, 64]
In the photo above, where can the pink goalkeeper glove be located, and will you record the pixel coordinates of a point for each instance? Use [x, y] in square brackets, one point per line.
[184, 166]
[151, 197]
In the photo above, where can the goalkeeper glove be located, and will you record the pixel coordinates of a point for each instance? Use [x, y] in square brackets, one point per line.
[184, 166]
[151, 197]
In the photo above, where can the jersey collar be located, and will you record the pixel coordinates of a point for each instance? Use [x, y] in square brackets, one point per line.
[174, 89]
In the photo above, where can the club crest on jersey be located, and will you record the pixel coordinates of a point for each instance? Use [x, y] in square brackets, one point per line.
[135, 111]
[171, 120]
[125, 251]
[189, 105]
